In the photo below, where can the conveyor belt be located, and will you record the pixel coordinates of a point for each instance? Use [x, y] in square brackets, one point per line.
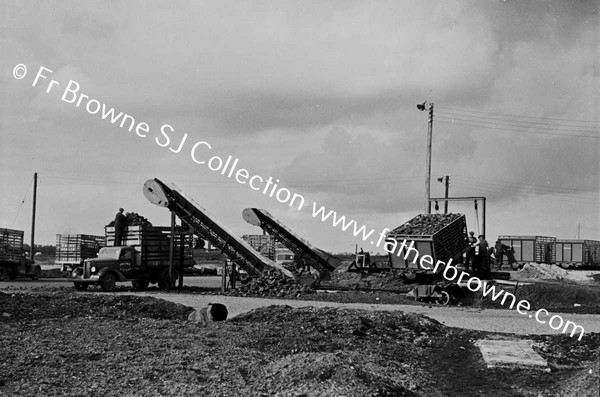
[203, 224]
[322, 261]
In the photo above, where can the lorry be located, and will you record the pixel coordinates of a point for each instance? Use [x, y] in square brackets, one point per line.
[13, 261]
[143, 259]
[73, 249]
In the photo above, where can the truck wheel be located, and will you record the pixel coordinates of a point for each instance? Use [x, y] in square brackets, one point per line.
[108, 282]
[37, 272]
[140, 285]
[80, 286]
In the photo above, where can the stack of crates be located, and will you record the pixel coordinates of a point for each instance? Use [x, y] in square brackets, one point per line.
[11, 245]
[441, 236]
[153, 243]
[73, 249]
[538, 249]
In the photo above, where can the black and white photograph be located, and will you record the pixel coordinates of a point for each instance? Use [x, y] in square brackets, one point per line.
[300, 198]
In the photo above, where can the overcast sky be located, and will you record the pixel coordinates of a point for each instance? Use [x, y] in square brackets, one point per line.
[319, 94]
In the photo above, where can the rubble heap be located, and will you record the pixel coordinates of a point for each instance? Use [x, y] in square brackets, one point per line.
[426, 224]
[273, 284]
[134, 219]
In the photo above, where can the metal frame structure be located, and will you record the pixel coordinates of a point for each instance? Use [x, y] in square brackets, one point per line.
[468, 198]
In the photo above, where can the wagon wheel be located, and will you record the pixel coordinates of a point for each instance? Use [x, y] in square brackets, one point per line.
[444, 299]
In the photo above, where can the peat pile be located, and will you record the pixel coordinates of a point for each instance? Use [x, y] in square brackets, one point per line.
[272, 351]
[386, 281]
[272, 284]
[18, 307]
[555, 296]
[339, 352]
[134, 219]
[426, 224]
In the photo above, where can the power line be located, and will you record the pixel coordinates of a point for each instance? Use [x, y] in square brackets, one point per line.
[518, 123]
[520, 116]
[513, 183]
[515, 130]
[22, 203]
[564, 197]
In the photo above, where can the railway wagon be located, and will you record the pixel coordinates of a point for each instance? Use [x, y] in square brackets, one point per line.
[538, 249]
[578, 253]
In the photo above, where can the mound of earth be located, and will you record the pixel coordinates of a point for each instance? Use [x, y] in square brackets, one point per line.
[67, 344]
[532, 271]
[391, 281]
[18, 307]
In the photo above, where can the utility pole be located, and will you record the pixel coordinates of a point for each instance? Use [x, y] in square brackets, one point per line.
[441, 179]
[32, 250]
[422, 107]
[169, 279]
[447, 187]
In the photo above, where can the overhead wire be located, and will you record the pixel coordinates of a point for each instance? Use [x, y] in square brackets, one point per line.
[519, 116]
[22, 203]
[519, 123]
[491, 127]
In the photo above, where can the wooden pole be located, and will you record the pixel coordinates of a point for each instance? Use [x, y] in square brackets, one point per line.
[32, 248]
[224, 277]
[484, 219]
[428, 161]
[171, 251]
[182, 237]
[446, 193]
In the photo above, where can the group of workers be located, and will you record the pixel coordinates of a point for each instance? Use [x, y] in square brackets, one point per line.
[477, 257]
[479, 254]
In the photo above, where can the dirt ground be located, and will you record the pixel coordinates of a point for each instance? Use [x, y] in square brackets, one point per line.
[93, 345]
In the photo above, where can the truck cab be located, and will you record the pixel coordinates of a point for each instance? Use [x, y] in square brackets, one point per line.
[120, 263]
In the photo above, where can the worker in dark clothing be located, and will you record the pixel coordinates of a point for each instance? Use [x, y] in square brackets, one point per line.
[471, 253]
[480, 265]
[499, 253]
[120, 226]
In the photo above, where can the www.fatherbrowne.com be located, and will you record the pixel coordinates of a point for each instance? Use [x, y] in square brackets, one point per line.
[450, 273]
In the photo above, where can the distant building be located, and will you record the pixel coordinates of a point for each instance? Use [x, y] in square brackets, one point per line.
[263, 243]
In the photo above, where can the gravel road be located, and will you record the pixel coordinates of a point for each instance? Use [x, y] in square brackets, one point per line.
[493, 320]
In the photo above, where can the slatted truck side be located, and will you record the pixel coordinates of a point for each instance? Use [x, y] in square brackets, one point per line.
[143, 260]
[73, 249]
[13, 262]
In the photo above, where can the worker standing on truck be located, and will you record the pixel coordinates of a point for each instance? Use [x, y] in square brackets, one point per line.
[120, 226]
